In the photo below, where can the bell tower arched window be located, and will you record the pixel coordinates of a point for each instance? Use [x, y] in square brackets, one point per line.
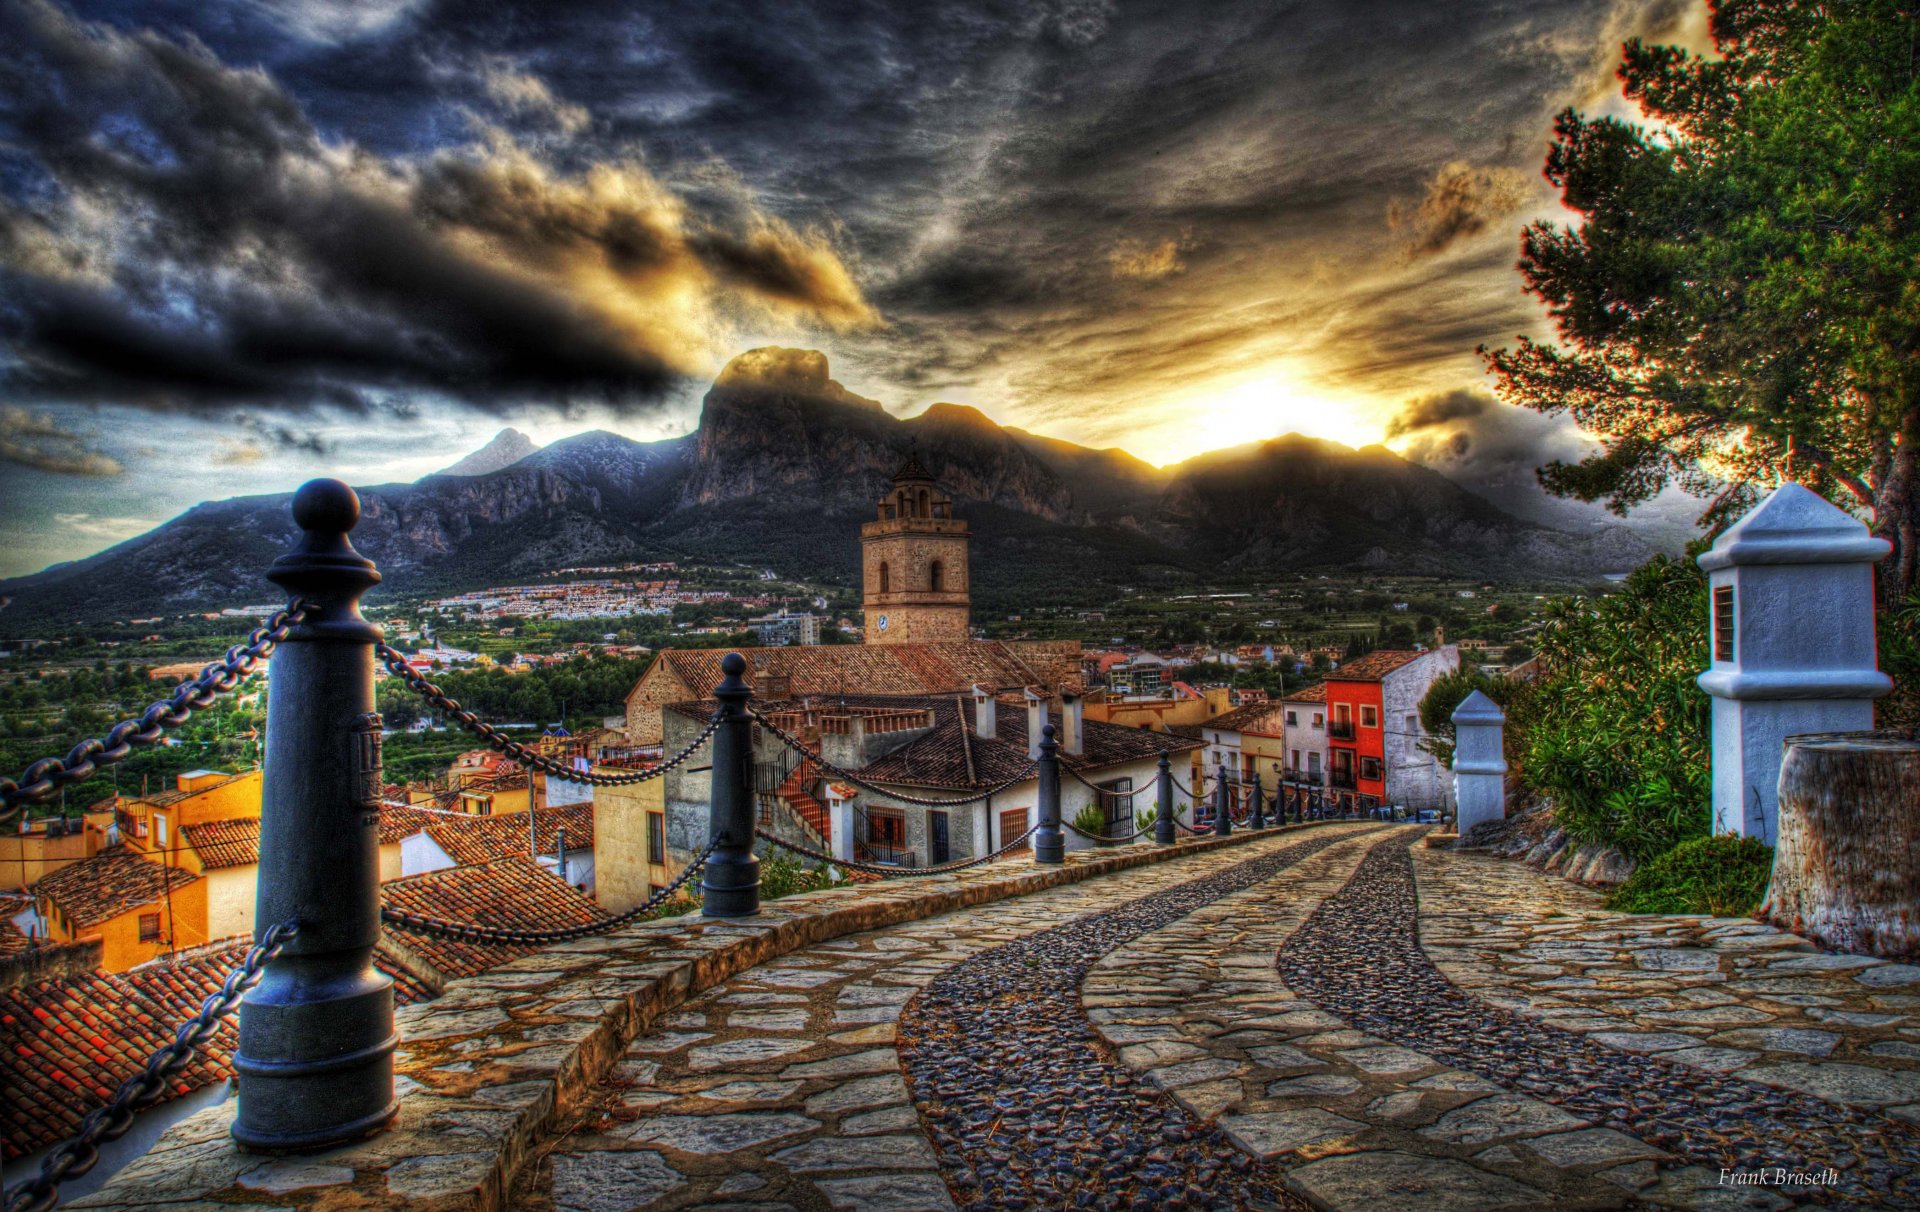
[885, 585]
[936, 575]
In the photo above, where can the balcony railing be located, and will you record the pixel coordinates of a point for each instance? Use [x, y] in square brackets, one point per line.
[1342, 779]
[1340, 730]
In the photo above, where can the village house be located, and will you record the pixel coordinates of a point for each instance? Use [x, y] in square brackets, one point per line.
[137, 908]
[1246, 741]
[1374, 732]
[920, 747]
[459, 839]
[1305, 724]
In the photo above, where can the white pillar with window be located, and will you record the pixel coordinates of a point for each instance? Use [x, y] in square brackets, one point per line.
[1793, 644]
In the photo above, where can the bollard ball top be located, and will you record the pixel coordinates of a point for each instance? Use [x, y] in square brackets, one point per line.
[326, 507]
[1049, 731]
[733, 664]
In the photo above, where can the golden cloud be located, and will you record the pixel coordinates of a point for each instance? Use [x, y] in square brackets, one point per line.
[1145, 262]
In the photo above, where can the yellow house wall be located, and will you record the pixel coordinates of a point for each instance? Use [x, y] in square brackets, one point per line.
[622, 877]
[239, 798]
[230, 898]
[24, 860]
[389, 861]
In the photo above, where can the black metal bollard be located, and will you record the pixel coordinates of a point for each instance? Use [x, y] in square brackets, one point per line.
[1163, 823]
[315, 1060]
[1049, 843]
[1222, 804]
[730, 885]
[1256, 816]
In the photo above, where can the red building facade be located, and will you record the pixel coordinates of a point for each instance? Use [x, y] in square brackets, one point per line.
[1356, 728]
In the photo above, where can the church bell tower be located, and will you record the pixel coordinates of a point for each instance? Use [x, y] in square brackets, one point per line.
[914, 564]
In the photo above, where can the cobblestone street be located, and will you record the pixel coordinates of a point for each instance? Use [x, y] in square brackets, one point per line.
[1260, 1028]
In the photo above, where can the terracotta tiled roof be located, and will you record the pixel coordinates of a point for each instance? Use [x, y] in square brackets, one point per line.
[11, 939]
[484, 839]
[1373, 666]
[508, 894]
[886, 669]
[225, 843]
[1316, 693]
[103, 887]
[400, 821]
[66, 1045]
[1254, 717]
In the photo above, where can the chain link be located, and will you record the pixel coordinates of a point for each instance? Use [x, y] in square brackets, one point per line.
[74, 1157]
[396, 663]
[84, 760]
[886, 872]
[466, 932]
[798, 746]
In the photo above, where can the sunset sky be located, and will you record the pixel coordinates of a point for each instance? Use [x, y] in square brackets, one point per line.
[242, 244]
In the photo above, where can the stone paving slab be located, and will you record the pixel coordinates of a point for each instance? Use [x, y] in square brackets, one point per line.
[721, 1105]
[484, 1069]
[1728, 995]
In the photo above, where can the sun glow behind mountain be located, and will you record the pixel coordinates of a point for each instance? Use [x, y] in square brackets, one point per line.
[1267, 402]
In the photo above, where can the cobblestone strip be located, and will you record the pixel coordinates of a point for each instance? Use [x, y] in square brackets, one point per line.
[1349, 1116]
[1024, 1107]
[1358, 957]
[780, 1088]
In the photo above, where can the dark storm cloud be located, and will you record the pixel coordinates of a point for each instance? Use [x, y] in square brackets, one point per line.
[175, 232]
[1075, 210]
[1481, 442]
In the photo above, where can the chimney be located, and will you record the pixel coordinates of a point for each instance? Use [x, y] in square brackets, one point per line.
[770, 685]
[1073, 714]
[1036, 720]
[986, 719]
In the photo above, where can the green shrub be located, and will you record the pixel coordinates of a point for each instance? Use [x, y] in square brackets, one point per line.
[1617, 732]
[1723, 875]
[1091, 819]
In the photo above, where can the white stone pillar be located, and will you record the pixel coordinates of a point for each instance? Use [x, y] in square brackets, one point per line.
[982, 829]
[1793, 648]
[1479, 761]
[840, 814]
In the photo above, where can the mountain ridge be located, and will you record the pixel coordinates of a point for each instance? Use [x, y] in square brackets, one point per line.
[784, 466]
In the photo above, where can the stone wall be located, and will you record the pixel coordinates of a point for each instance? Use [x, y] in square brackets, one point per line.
[657, 687]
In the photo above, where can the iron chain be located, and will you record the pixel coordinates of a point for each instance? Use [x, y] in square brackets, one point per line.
[798, 746]
[396, 663]
[466, 932]
[886, 872]
[84, 760]
[72, 1158]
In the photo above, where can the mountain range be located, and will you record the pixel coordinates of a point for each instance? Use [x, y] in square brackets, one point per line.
[786, 464]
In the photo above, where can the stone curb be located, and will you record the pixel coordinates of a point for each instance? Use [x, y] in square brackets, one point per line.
[484, 1069]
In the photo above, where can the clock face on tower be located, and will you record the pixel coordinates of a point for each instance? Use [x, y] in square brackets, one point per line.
[881, 622]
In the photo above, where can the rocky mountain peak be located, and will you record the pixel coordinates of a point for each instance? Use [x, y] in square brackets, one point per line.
[508, 447]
